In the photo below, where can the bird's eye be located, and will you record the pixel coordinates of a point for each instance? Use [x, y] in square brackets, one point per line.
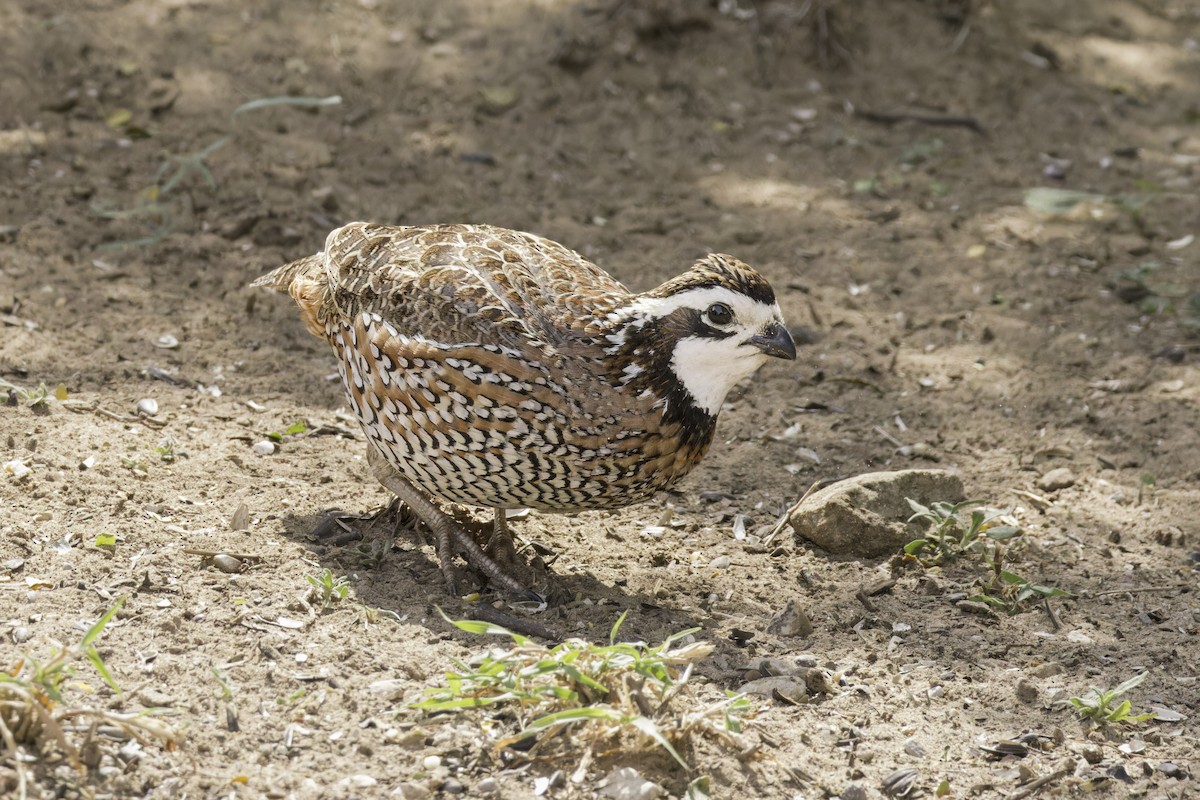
[719, 314]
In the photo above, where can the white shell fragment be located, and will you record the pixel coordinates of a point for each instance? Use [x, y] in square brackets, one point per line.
[16, 468]
[739, 527]
[240, 520]
[147, 407]
[263, 448]
[625, 783]
[166, 342]
[654, 531]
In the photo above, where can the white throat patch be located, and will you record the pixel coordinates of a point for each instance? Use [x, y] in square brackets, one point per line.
[709, 368]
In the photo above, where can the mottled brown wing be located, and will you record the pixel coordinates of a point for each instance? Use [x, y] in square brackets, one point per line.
[465, 283]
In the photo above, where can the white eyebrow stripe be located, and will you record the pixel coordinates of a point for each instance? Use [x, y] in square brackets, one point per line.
[699, 299]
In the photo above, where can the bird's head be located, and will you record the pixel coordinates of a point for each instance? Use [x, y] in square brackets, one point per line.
[706, 329]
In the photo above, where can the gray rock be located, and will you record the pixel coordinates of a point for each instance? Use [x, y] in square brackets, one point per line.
[153, 698]
[779, 685]
[975, 607]
[791, 621]
[854, 792]
[867, 515]
[766, 666]
[1055, 479]
[1047, 670]
[412, 791]
[818, 681]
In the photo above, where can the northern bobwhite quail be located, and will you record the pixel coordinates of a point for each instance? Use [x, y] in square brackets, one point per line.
[498, 369]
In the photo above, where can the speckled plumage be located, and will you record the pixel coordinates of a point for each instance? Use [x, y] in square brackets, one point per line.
[498, 369]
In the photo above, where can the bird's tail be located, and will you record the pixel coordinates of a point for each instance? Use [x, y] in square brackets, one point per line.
[281, 279]
[306, 282]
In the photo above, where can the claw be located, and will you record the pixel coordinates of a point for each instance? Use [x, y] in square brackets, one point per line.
[448, 534]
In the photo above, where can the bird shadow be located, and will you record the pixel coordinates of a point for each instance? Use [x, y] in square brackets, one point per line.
[389, 558]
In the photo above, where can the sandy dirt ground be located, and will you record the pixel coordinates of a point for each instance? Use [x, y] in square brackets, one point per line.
[871, 158]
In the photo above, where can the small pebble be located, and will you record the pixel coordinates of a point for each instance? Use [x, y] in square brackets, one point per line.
[227, 563]
[854, 792]
[387, 686]
[720, 562]
[430, 763]
[263, 448]
[625, 783]
[147, 407]
[496, 100]
[975, 607]
[1056, 479]
[452, 786]
[1078, 637]
[791, 621]
[1132, 747]
[153, 698]
[487, 786]
[1027, 692]
[774, 685]
[413, 791]
[818, 681]
[21, 634]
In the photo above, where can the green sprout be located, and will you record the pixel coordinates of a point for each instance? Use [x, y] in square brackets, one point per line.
[35, 711]
[328, 589]
[598, 691]
[297, 427]
[950, 537]
[1099, 707]
[1012, 593]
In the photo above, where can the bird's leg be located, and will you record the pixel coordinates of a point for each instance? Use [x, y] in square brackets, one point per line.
[448, 535]
[500, 545]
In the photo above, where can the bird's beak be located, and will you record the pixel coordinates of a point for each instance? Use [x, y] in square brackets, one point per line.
[774, 340]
